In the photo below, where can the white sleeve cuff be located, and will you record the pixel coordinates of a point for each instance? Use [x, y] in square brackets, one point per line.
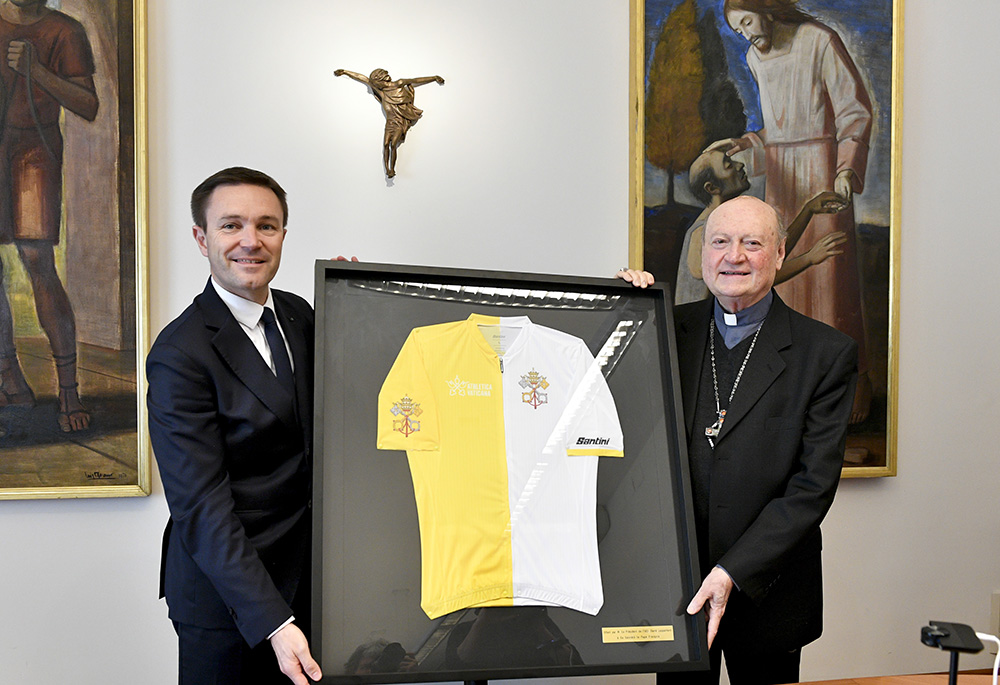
[274, 632]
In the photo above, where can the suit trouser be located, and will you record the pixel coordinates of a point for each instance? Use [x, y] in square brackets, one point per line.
[220, 656]
[209, 656]
[743, 667]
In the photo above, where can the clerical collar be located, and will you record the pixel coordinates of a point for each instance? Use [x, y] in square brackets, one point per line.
[737, 327]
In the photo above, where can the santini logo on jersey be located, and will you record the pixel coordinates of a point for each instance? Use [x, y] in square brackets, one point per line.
[593, 441]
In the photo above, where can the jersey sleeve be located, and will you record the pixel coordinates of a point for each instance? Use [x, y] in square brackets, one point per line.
[407, 412]
[593, 425]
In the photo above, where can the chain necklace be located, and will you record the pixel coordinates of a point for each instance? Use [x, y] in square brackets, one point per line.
[714, 430]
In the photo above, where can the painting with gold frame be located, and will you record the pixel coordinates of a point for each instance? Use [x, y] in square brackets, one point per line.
[73, 228]
[809, 103]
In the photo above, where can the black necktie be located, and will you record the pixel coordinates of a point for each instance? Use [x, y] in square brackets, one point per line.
[283, 367]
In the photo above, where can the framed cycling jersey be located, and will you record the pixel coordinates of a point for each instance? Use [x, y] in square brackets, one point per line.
[500, 478]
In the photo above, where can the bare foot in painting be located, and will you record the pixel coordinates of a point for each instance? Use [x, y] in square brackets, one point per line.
[862, 400]
[14, 389]
[72, 416]
[855, 455]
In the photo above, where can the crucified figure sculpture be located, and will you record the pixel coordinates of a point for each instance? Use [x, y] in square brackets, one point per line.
[396, 98]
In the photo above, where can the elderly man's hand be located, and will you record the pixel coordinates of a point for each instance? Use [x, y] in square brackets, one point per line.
[639, 279]
[712, 597]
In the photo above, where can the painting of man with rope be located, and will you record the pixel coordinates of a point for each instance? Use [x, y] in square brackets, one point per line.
[48, 68]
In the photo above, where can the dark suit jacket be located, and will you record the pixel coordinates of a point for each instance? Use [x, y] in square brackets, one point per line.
[776, 468]
[234, 458]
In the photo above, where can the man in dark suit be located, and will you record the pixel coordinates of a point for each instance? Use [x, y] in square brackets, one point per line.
[767, 396]
[230, 409]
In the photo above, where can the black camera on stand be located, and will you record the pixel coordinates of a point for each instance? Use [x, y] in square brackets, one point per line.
[951, 637]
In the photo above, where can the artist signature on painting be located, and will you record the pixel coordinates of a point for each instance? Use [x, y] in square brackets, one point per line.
[97, 475]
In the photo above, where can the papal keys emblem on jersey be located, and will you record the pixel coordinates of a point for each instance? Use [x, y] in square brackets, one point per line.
[406, 410]
[533, 383]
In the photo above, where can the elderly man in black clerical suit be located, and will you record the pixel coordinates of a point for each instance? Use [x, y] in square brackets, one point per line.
[767, 396]
[230, 408]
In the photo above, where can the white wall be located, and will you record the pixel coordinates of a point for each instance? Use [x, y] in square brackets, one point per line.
[520, 163]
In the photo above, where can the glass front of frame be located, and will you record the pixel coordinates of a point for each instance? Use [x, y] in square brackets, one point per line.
[537, 520]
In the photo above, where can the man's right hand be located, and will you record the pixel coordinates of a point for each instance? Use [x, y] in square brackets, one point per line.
[712, 597]
[20, 56]
[294, 660]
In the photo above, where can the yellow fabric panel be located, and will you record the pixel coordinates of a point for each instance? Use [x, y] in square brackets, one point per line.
[461, 491]
[595, 453]
[407, 416]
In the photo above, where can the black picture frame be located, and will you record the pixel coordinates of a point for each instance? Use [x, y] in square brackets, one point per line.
[367, 624]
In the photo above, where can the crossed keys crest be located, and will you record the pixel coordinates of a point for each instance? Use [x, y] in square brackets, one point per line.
[533, 382]
[407, 410]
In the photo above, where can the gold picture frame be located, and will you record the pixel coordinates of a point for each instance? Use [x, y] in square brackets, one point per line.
[878, 50]
[101, 258]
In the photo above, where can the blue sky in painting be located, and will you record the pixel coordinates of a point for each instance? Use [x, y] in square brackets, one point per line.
[866, 29]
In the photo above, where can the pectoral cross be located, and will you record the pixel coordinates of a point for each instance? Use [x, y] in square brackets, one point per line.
[714, 430]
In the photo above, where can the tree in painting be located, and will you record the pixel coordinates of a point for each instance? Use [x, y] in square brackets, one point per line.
[675, 131]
